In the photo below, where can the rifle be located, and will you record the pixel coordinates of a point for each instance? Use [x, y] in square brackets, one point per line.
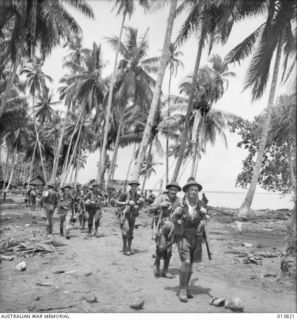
[204, 237]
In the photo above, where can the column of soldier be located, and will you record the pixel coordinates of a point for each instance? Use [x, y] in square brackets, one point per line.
[180, 221]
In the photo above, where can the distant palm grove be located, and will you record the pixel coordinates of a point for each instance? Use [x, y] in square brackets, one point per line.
[128, 107]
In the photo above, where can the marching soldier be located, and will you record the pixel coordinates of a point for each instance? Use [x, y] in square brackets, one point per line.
[83, 214]
[130, 203]
[189, 221]
[92, 202]
[65, 209]
[49, 201]
[162, 209]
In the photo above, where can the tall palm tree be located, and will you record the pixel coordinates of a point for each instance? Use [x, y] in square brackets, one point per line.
[36, 82]
[133, 82]
[173, 64]
[125, 8]
[44, 106]
[157, 91]
[275, 36]
[214, 22]
[86, 89]
[36, 24]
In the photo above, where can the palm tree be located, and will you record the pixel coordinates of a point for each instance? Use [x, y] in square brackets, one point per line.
[157, 91]
[126, 8]
[275, 35]
[212, 20]
[86, 89]
[173, 63]
[44, 106]
[133, 82]
[36, 82]
[36, 24]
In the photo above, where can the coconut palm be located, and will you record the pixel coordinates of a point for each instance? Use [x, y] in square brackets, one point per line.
[213, 22]
[157, 91]
[126, 8]
[86, 90]
[36, 83]
[133, 82]
[44, 106]
[173, 64]
[274, 36]
[36, 24]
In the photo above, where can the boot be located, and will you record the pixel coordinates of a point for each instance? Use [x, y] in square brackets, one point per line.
[47, 229]
[67, 234]
[157, 271]
[124, 245]
[189, 293]
[96, 234]
[51, 229]
[83, 224]
[183, 276]
[61, 231]
[90, 226]
[165, 273]
[129, 252]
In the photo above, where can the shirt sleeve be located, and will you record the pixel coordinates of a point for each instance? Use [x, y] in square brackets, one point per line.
[156, 204]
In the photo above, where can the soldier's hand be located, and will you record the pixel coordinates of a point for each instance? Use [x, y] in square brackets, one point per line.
[131, 203]
[203, 210]
[164, 204]
[140, 200]
[178, 211]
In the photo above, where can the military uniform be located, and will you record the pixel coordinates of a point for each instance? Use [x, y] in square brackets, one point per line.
[65, 210]
[92, 202]
[83, 214]
[128, 214]
[163, 229]
[49, 201]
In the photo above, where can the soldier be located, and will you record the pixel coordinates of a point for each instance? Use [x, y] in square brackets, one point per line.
[189, 221]
[65, 209]
[204, 200]
[83, 212]
[76, 206]
[32, 198]
[130, 203]
[92, 201]
[162, 208]
[49, 201]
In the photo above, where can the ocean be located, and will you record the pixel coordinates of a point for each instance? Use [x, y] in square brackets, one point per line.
[260, 201]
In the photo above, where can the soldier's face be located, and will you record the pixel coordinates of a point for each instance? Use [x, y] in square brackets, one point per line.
[172, 192]
[193, 192]
[134, 187]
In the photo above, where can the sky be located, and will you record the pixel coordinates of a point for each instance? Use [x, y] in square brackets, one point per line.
[220, 166]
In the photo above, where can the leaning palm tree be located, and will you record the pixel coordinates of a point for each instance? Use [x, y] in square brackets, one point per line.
[36, 24]
[213, 22]
[86, 89]
[275, 35]
[133, 81]
[36, 82]
[157, 91]
[126, 8]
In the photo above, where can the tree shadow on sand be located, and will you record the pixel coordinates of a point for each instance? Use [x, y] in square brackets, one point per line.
[195, 289]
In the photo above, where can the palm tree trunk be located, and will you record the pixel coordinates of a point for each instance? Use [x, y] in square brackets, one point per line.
[74, 149]
[157, 91]
[116, 148]
[291, 166]
[5, 169]
[14, 160]
[196, 142]
[190, 107]
[66, 164]
[101, 166]
[38, 141]
[129, 167]
[58, 150]
[32, 162]
[145, 174]
[246, 205]
[167, 139]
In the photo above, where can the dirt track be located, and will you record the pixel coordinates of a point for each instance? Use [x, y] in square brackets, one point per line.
[118, 280]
